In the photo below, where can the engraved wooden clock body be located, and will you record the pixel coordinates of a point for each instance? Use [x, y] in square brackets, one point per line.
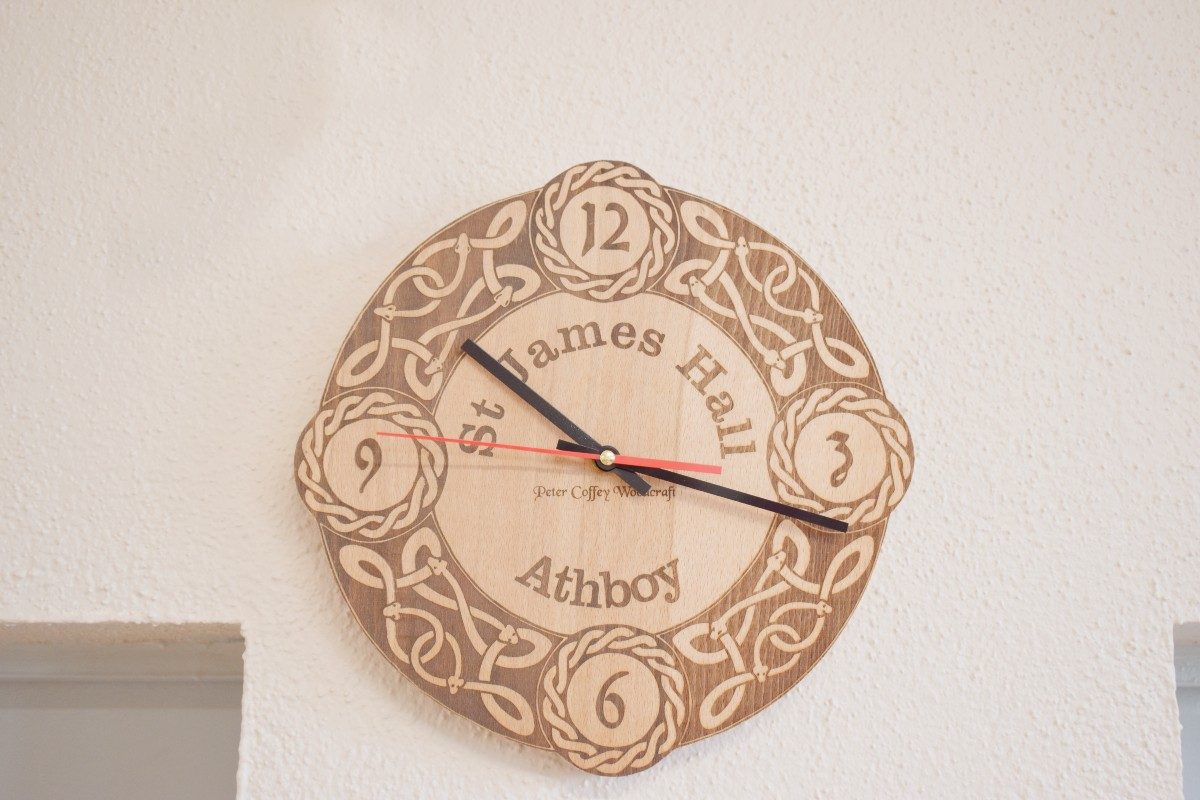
[550, 601]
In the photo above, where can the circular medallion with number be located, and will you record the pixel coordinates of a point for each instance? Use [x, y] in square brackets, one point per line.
[603, 467]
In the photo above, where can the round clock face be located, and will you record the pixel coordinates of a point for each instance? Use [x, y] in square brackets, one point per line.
[609, 612]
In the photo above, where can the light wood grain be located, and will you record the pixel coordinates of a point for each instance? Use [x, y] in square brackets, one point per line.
[539, 596]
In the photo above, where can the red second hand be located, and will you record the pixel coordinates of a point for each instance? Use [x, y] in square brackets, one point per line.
[632, 461]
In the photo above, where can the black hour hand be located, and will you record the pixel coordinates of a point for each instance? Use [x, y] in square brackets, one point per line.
[724, 491]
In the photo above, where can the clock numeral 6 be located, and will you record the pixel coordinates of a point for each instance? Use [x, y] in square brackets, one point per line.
[611, 700]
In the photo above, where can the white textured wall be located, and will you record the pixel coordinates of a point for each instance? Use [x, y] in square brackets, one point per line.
[197, 199]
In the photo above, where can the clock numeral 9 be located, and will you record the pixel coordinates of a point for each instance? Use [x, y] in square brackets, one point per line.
[368, 456]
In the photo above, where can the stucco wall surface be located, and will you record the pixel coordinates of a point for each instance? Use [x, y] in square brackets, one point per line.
[196, 199]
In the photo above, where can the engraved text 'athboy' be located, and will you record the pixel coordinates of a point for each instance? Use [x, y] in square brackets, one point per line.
[571, 585]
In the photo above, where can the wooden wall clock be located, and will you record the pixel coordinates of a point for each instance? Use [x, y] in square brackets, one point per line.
[722, 463]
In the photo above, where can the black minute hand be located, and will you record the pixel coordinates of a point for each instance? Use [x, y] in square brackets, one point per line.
[540, 405]
[727, 493]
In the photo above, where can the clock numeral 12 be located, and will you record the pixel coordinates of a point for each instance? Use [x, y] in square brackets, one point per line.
[612, 242]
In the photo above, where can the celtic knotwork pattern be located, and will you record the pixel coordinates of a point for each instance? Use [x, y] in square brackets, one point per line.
[321, 499]
[502, 647]
[770, 272]
[548, 243]
[664, 733]
[853, 400]
[797, 609]
[496, 287]
[420, 553]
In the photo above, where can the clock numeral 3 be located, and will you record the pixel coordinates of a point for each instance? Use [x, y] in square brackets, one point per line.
[369, 457]
[612, 242]
[840, 474]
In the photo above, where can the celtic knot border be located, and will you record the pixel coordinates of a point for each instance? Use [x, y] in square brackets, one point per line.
[434, 625]
[421, 564]
[662, 737]
[499, 285]
[789, 599]
[770, 272]
[653, 197]
[854, 400]
[319, 497]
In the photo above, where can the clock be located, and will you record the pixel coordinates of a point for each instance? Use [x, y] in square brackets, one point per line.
[603, 467]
